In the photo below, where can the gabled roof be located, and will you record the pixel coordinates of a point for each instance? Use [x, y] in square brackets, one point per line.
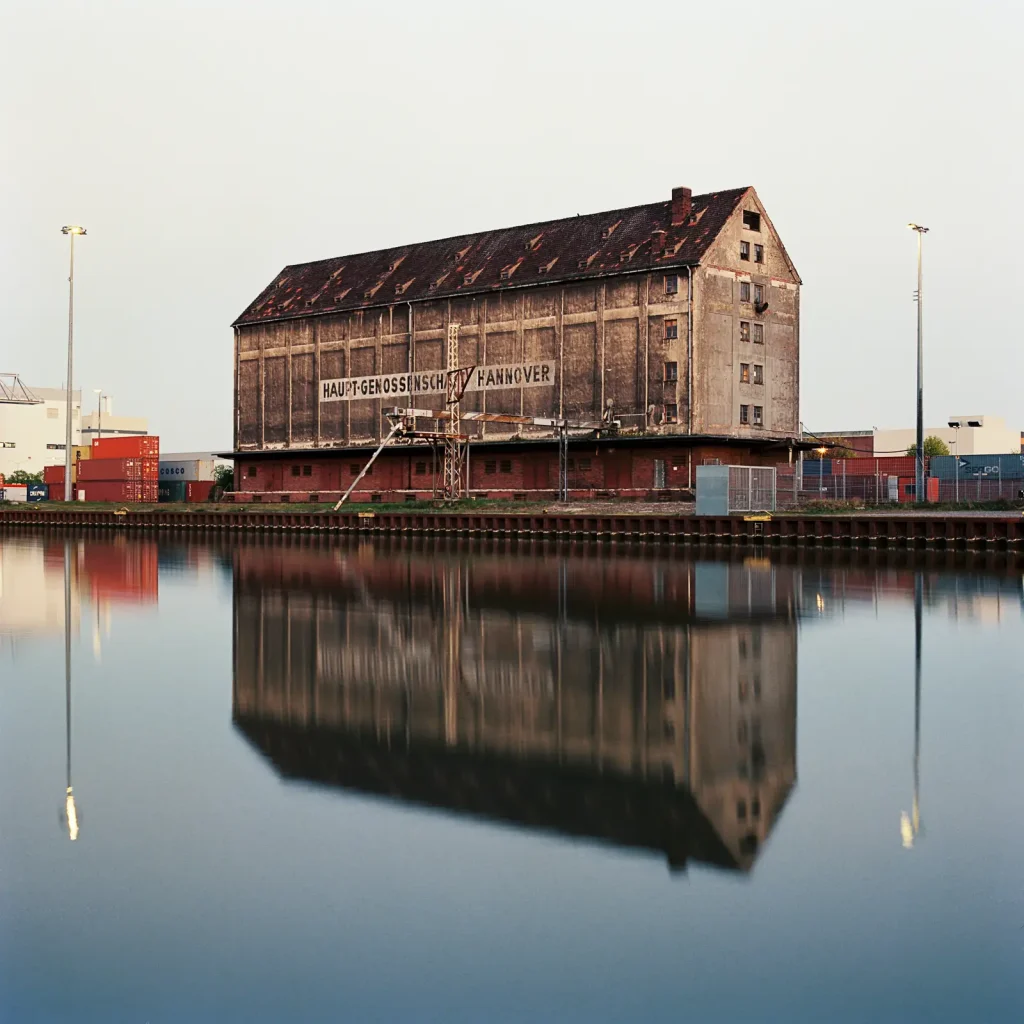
[594, 245]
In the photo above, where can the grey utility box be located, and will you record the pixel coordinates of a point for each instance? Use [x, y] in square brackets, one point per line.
[722, 490]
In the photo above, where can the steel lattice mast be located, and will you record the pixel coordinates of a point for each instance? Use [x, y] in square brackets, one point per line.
[454, 440]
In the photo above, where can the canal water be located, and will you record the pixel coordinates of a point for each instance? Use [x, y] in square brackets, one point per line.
[256, 780]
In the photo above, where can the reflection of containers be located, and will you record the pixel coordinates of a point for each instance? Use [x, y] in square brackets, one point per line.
[126, 447]
[14, 492]
[198, 490]
[38, 492]
[172, 490]
[188, 469]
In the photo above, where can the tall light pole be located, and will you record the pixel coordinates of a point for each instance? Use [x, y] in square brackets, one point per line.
[99, 411]
[919, 480]
[955, 424]
[72, 230]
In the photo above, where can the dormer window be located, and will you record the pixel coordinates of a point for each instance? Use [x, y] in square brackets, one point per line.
[751, 220]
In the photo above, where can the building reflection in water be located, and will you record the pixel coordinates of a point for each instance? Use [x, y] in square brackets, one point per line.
[650, 705]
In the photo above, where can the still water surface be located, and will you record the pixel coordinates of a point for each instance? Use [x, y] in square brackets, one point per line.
[313, 781]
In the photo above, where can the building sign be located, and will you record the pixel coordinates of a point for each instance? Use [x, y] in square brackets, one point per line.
[432, 382]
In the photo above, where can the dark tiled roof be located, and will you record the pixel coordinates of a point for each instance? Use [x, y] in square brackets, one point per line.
[574, 248]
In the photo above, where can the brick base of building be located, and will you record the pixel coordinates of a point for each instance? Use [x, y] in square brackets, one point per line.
[526, 472]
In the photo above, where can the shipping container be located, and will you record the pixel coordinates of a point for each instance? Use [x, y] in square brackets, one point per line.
[973, 467]
[198, 490]
[189, 469]
[118, 469]
[891, 465]
[126, 447]
[817, 467]
[172, 490]
[908, 488]
[14, 492]
[39, 492]
[81, 451]
[111, 490]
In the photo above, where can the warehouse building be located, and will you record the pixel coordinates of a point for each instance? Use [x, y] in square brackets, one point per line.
[673, 327]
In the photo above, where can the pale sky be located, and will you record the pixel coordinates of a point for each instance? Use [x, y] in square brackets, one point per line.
[206, 145]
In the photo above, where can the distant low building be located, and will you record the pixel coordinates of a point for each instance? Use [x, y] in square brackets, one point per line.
[976, 435]
[103, 423]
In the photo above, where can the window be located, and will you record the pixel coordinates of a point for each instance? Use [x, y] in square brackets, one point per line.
[751, 220]
[490, 467]
[671, 371]
[744, 291]
[758, 253]
[421, 468]
[744, 373]
[55, 447]
[759, 293]
[307, 470]
[671, 284]
[755, 808]
[671, 329]
[671, 412]
[506, 465]
[584, 465]
[296, 470]
[52, 414]
[758, 334]
[744, 250]
[252, 471]
[744, 414]
[758, 416]
[744, 331]
[353, 468]
[758, 373]
[741, 810]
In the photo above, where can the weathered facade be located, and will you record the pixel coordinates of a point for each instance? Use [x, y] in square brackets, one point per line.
[677, 320]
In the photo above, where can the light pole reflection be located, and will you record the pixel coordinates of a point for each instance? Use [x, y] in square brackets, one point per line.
[910, 825]
[70, 810]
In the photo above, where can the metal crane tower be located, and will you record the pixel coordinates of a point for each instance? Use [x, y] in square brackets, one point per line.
[456, 444]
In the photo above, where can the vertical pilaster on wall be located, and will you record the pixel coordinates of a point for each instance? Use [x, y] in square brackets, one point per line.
[411, 354]
[560, 338]
[263, 389]
[348, 373]
[291, 340]
[482, 349]
[643, 342]
[316, 374]
[599, 329]
[520, 314]
[376, 431]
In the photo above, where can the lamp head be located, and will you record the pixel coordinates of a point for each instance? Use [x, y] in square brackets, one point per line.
[955, 424]
[918, 228]
[72, 229]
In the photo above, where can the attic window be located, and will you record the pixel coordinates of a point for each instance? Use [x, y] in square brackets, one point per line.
[471, 277]
[751, 220]
[610, 230]
[534, 243]
[507, 272]
[586, 261]
[395, 264]
[545, 268]
[401, 289]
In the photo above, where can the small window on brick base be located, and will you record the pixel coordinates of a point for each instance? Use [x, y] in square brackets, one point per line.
[671, 412]
[252, 471]
[307, 470]
[296, 470]
[421, 468]
[584, 465]
[506, 465]
[490, 467]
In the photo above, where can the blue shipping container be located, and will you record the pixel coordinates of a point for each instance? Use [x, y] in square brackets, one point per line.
[978, 467]
[38, 492]
[817, 467]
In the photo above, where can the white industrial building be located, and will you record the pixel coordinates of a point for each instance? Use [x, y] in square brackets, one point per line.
[976, 435]
[32, 425]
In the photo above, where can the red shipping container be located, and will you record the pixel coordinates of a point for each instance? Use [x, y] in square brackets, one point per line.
[897, 465]
[110, 469]
[126, 447]
[53, 474]
[112, 490]
[198, 490]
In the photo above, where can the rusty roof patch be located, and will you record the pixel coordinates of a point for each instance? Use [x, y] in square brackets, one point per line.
[581, 247]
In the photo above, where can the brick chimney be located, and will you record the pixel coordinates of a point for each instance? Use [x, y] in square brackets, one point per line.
[681, 204]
